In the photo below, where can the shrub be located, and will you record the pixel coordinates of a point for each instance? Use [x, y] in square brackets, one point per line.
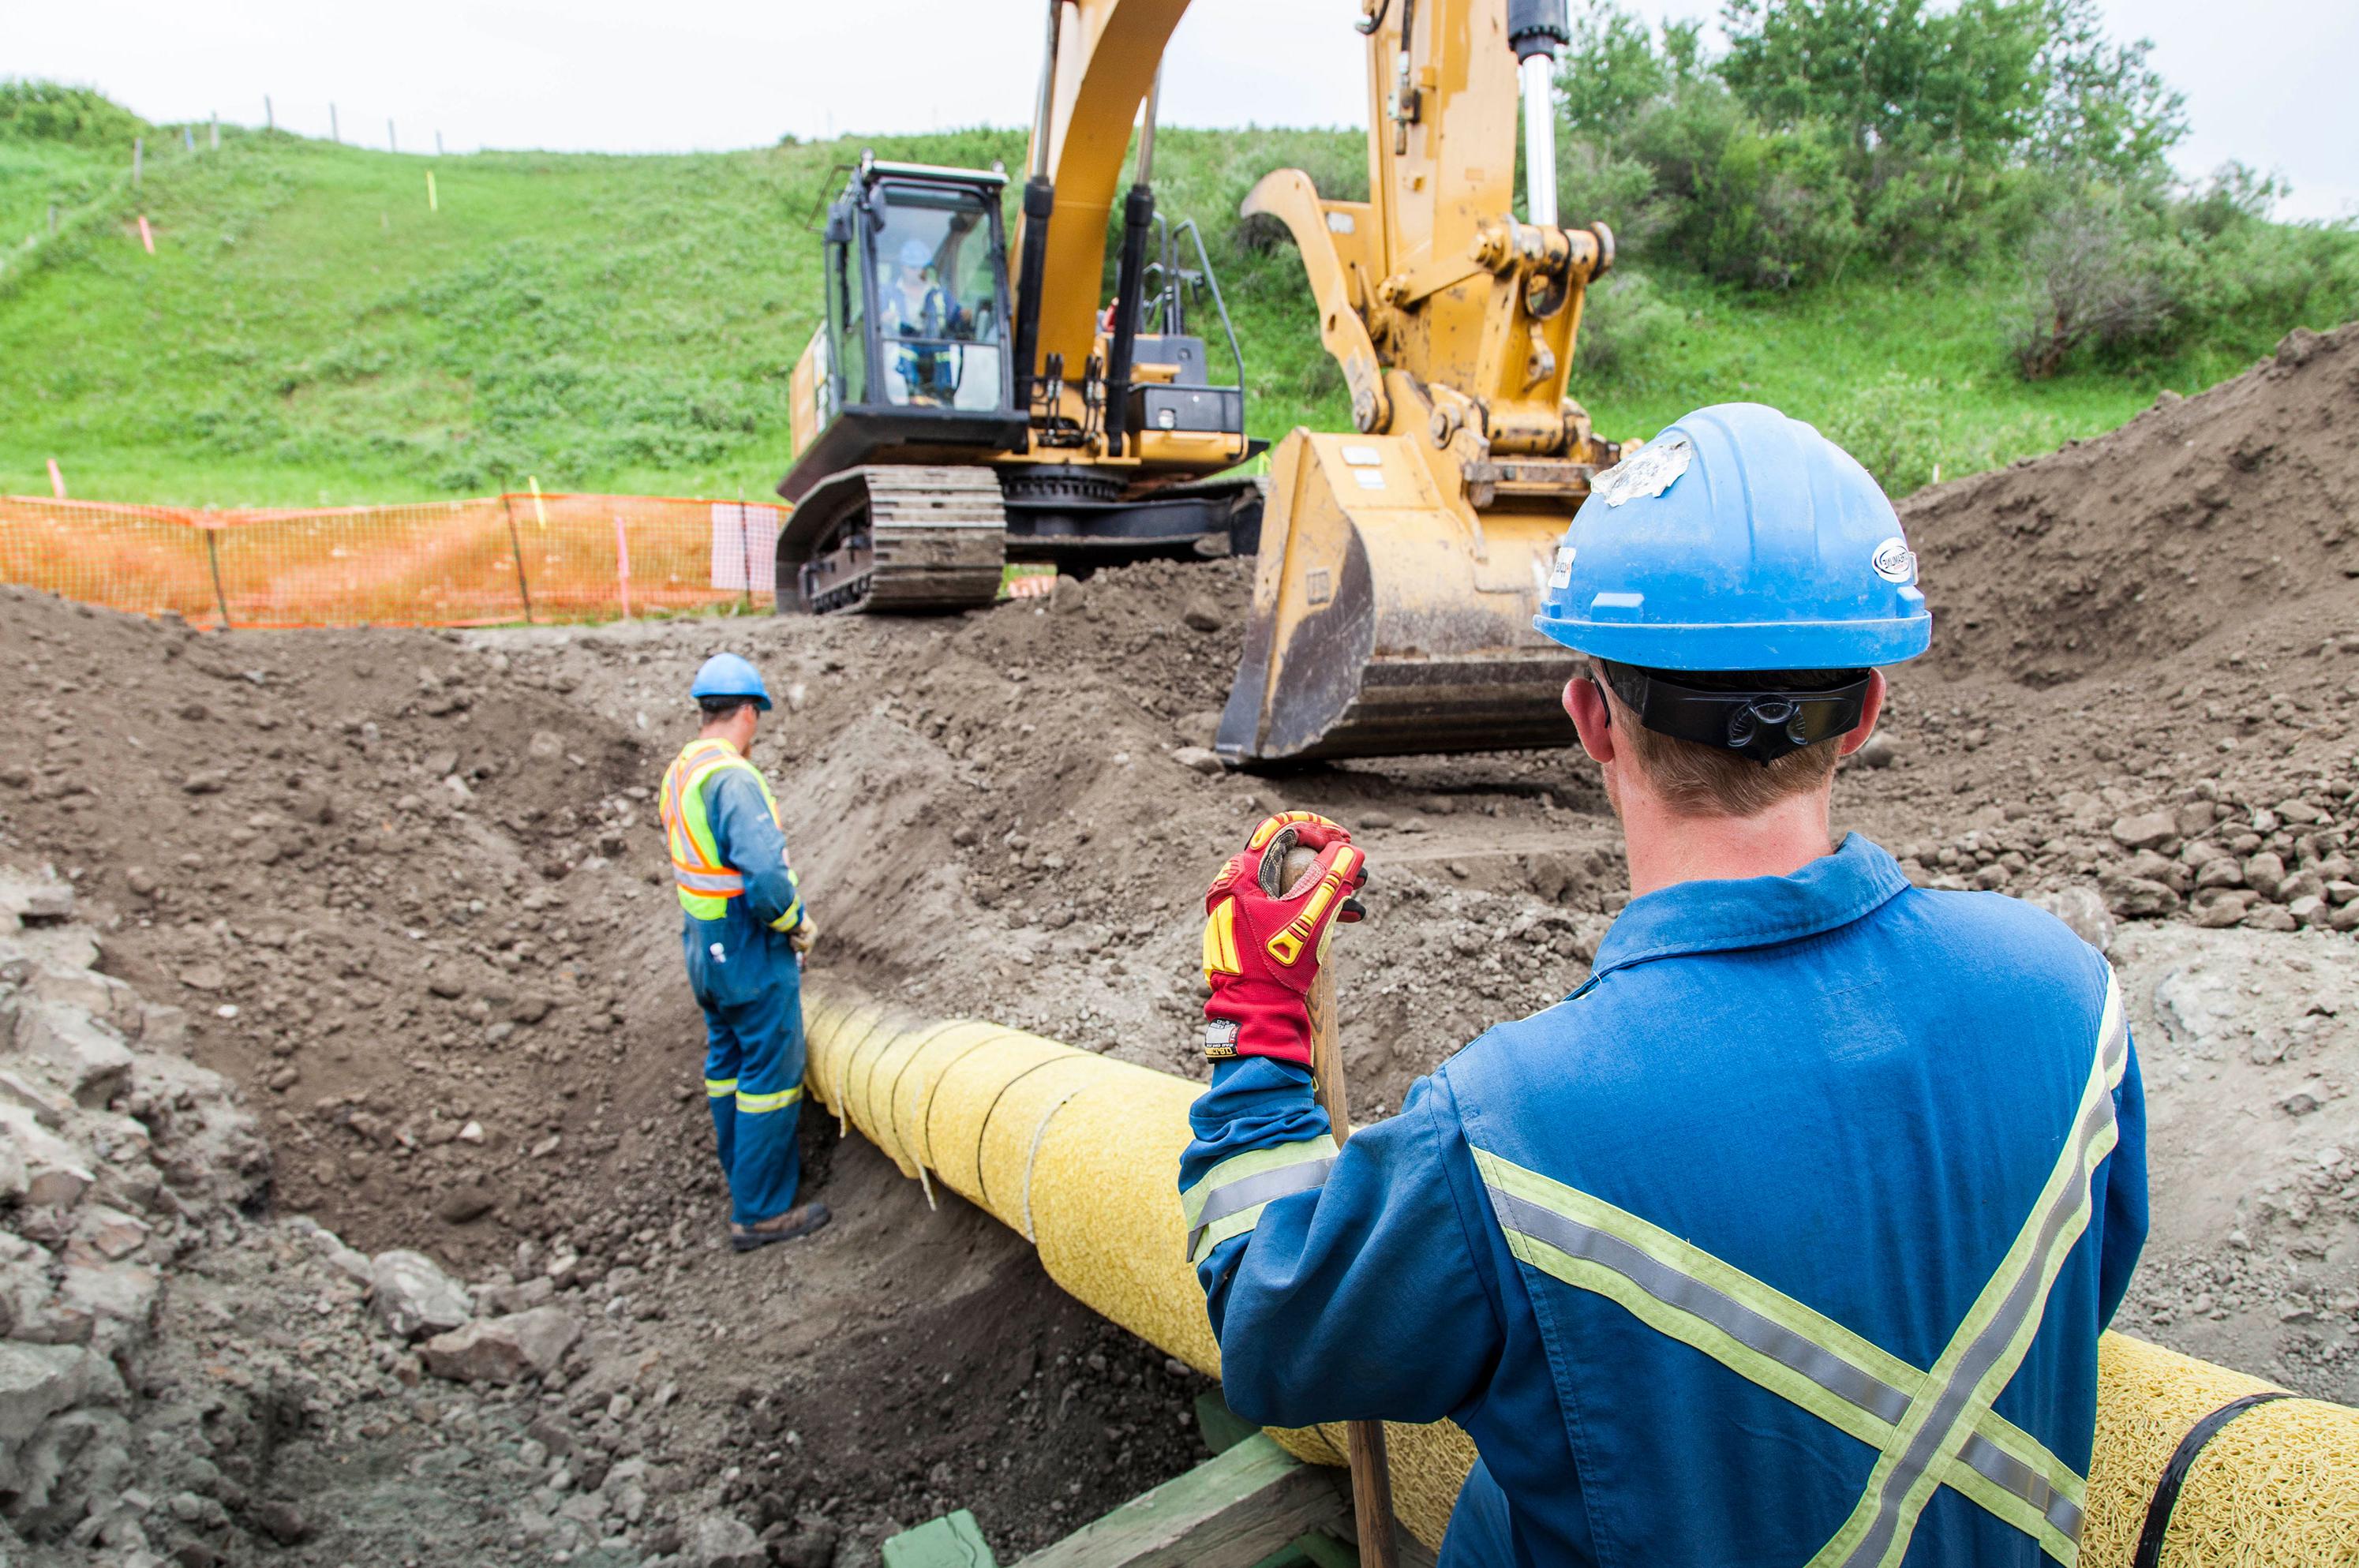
[2092, 278]
[47, 111]
[1623, 324]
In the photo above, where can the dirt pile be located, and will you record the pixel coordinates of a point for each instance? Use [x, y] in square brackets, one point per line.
[2201, 515]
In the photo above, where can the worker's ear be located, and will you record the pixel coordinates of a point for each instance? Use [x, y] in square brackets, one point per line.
[1590, 717]
[1871, 708]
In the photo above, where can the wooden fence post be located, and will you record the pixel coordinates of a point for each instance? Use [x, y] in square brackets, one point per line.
[212, 559]
[516, 543]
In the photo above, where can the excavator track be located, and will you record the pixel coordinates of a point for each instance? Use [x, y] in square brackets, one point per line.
[895, 541]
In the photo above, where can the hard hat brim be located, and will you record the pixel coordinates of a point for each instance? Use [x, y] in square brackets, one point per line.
[1778, 645]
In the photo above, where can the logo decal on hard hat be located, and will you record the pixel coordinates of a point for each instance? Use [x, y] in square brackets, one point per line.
[1650, 471]
[1895, 562]
[1562, 576]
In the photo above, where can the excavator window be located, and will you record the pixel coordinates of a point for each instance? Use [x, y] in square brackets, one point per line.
[938, 293]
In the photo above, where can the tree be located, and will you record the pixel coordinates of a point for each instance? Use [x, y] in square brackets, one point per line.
[2104, 105]
[1891, 76]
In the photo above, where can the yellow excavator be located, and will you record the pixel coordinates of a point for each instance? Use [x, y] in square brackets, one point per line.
[1400, 563]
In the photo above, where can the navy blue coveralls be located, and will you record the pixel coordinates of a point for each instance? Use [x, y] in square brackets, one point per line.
[1787, 1239]
[746, 976]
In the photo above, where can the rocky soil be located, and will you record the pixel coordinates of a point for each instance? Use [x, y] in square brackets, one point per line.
[403, 894]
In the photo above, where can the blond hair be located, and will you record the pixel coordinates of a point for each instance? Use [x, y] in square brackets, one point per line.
[1698, 780]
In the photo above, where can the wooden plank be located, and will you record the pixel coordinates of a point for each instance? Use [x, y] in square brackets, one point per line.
[1231, 1511]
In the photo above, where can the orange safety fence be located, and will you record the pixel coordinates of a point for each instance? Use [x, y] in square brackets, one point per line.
[473, 562]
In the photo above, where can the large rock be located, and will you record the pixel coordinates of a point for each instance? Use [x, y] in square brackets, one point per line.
[504, 1350]
[2082, 908]
[79, 1462]
[413, 1298]
[2138, 898]
[100, 997]
[120, 1298]
[717, 1540]
[2143, 829]
[37, 1381]
[56, 1173]
[89, 1060]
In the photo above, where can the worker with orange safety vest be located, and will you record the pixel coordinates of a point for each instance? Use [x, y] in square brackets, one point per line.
[743, 931]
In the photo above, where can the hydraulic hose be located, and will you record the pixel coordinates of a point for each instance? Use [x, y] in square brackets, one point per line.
[1079, 1155]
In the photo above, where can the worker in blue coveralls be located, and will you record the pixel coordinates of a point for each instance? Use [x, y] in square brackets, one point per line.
[743, 931]
[1787, 1237]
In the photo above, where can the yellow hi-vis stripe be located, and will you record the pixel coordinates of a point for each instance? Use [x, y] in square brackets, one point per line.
[1221, 941]
[755, 1104]
[720, 1088]
[1932, 1429]
[1227, 1200]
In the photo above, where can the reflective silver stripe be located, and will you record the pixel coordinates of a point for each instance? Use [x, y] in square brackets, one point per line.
[2009, 1474]
[1262, 1187]
[718, 882]
[1692, 1296]
[1930, 1427]
[2026, 1295]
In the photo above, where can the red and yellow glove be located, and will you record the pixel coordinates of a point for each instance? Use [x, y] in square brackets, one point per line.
[1263, 948]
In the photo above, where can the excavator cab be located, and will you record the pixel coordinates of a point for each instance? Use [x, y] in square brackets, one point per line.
[934, 445]
[912, 361]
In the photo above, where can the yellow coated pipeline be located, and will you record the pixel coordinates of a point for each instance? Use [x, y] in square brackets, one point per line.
[1079, 1155]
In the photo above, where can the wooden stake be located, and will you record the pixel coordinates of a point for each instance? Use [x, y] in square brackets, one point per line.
[146, 235]
[524, 589]
[269, 118]
[333, 135]
[1372, 1475]
[213, 558]
[57, 480]
[433, 202]
[390, 144]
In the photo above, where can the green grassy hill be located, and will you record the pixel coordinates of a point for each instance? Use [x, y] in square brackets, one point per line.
[309, 331]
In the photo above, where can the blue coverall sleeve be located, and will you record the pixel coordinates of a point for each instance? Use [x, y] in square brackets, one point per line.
[1364, 1298]
[2125, 1210]
[749, 839]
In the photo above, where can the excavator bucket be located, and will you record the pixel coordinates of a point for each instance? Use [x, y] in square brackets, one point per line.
[1392, 616]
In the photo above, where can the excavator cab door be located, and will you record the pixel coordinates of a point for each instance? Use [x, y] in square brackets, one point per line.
[912, 363]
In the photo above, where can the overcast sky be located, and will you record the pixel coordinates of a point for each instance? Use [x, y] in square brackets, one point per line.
[2266, 82]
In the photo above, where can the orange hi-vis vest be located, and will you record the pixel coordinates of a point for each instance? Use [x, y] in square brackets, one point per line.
[705, 881]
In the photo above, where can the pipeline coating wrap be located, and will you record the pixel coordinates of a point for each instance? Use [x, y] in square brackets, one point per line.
[1080, 1156]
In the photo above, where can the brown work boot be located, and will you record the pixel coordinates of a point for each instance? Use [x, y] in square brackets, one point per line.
[798, 1221]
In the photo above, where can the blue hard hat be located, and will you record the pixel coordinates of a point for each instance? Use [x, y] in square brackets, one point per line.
[726, 675]
[1737, 539]
[915, 253]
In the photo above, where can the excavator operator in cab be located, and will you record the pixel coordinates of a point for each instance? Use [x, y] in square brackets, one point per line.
[1787, 1237]
[912, 306]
